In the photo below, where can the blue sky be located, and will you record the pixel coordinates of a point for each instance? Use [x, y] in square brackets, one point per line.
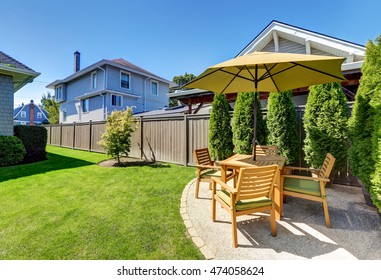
[165, 37]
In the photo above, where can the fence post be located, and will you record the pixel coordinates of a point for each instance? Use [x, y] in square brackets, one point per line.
[73, 135]
[61, 135]
[141, 137]
[186, 136]
[90, 135]
[50, 135]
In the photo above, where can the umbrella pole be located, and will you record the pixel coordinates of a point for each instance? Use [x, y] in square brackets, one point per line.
[255, 114]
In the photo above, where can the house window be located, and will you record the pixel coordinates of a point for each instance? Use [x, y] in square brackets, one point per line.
[155, 88]
[124, 80]
[59, 93]
[94, 80]
[39, 115]
[116, 100]
[85, 105]
[23, 114]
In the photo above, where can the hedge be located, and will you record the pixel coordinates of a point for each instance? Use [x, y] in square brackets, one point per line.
[34, 139]
[12, 150]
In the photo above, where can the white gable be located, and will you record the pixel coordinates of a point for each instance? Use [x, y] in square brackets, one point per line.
[281, 37]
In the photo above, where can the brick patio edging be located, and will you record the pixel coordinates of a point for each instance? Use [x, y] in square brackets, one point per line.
[208, 254]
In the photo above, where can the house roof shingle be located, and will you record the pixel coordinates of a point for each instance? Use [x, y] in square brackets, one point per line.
[10, 61]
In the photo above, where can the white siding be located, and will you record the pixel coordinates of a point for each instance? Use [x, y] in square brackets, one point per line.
[286, 46]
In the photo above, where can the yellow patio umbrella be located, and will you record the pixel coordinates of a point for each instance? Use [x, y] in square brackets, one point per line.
[269, 72]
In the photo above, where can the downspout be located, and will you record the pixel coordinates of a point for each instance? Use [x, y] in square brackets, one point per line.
[145, 93]
[104, 113]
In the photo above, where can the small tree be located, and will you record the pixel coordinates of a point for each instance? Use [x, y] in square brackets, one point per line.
[282, 125]
[325, 124]
[220, 131]
[117, 138]
[243, 123]
[52, 107]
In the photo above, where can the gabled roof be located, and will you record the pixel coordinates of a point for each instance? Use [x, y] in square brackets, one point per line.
[21, 73]
[119, 63]
[282, 37]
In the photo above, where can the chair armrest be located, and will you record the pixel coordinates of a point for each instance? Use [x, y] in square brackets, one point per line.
[224, 185]
[207, 166]
[301, 168]
[306, 178]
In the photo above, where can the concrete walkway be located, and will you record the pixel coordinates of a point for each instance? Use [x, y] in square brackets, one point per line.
[355, 231]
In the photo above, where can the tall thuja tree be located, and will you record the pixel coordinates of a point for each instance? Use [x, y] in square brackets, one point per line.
[220, 131]
[372, 79]
[325, 124]
[361, 127]
[282, 125]
[243, 123]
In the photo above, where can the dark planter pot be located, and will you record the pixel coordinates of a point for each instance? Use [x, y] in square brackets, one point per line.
[367, 197]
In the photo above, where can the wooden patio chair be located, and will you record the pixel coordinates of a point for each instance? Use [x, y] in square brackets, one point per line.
[253, 193]
[206, 168]
[263, 150]
[310, 187]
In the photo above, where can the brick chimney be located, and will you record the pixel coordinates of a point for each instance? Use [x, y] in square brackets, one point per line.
[31, 113]
[77, 61]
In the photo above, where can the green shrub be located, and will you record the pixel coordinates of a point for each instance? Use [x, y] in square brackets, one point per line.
[243, 123]
[282, 125]
[220, 131]
[325, 124]
[117, 138]
[12, 150]
[34, 139]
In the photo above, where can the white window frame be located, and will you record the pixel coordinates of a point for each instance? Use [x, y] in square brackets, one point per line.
[157, 88]
[88, 105]
[59, 93]
[23, 114]
[118, 96]
[129, 79]
[93, 80]
[39, 115]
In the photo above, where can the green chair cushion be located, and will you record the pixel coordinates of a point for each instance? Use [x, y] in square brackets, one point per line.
[302, 186]
[244, 204]
[213, 173]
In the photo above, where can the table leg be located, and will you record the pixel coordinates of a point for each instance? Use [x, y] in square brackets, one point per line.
[277, 196]
[223, 173]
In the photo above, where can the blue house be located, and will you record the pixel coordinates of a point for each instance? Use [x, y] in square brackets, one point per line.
[30, 114]
[94, 92]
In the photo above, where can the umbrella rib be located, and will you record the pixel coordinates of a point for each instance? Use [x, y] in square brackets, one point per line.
[316, 70]
[236, 74]
[271, 77]
[199, 78]
[231, 79]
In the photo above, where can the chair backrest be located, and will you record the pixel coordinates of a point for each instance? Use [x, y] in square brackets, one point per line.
[262, 150]
[327, 166]
[256, 182]
[202, 156]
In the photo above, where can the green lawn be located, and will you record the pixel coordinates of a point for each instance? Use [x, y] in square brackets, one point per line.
[68, 207]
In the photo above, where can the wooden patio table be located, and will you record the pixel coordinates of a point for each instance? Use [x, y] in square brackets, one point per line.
[238, 161]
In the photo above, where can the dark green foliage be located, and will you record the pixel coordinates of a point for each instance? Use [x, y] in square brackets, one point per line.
[220, 131]
[325, 124]
[12, 150]
[34, 139]
[243, 123]
[282, 125]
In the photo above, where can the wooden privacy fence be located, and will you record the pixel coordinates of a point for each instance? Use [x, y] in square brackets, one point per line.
[169, 139]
